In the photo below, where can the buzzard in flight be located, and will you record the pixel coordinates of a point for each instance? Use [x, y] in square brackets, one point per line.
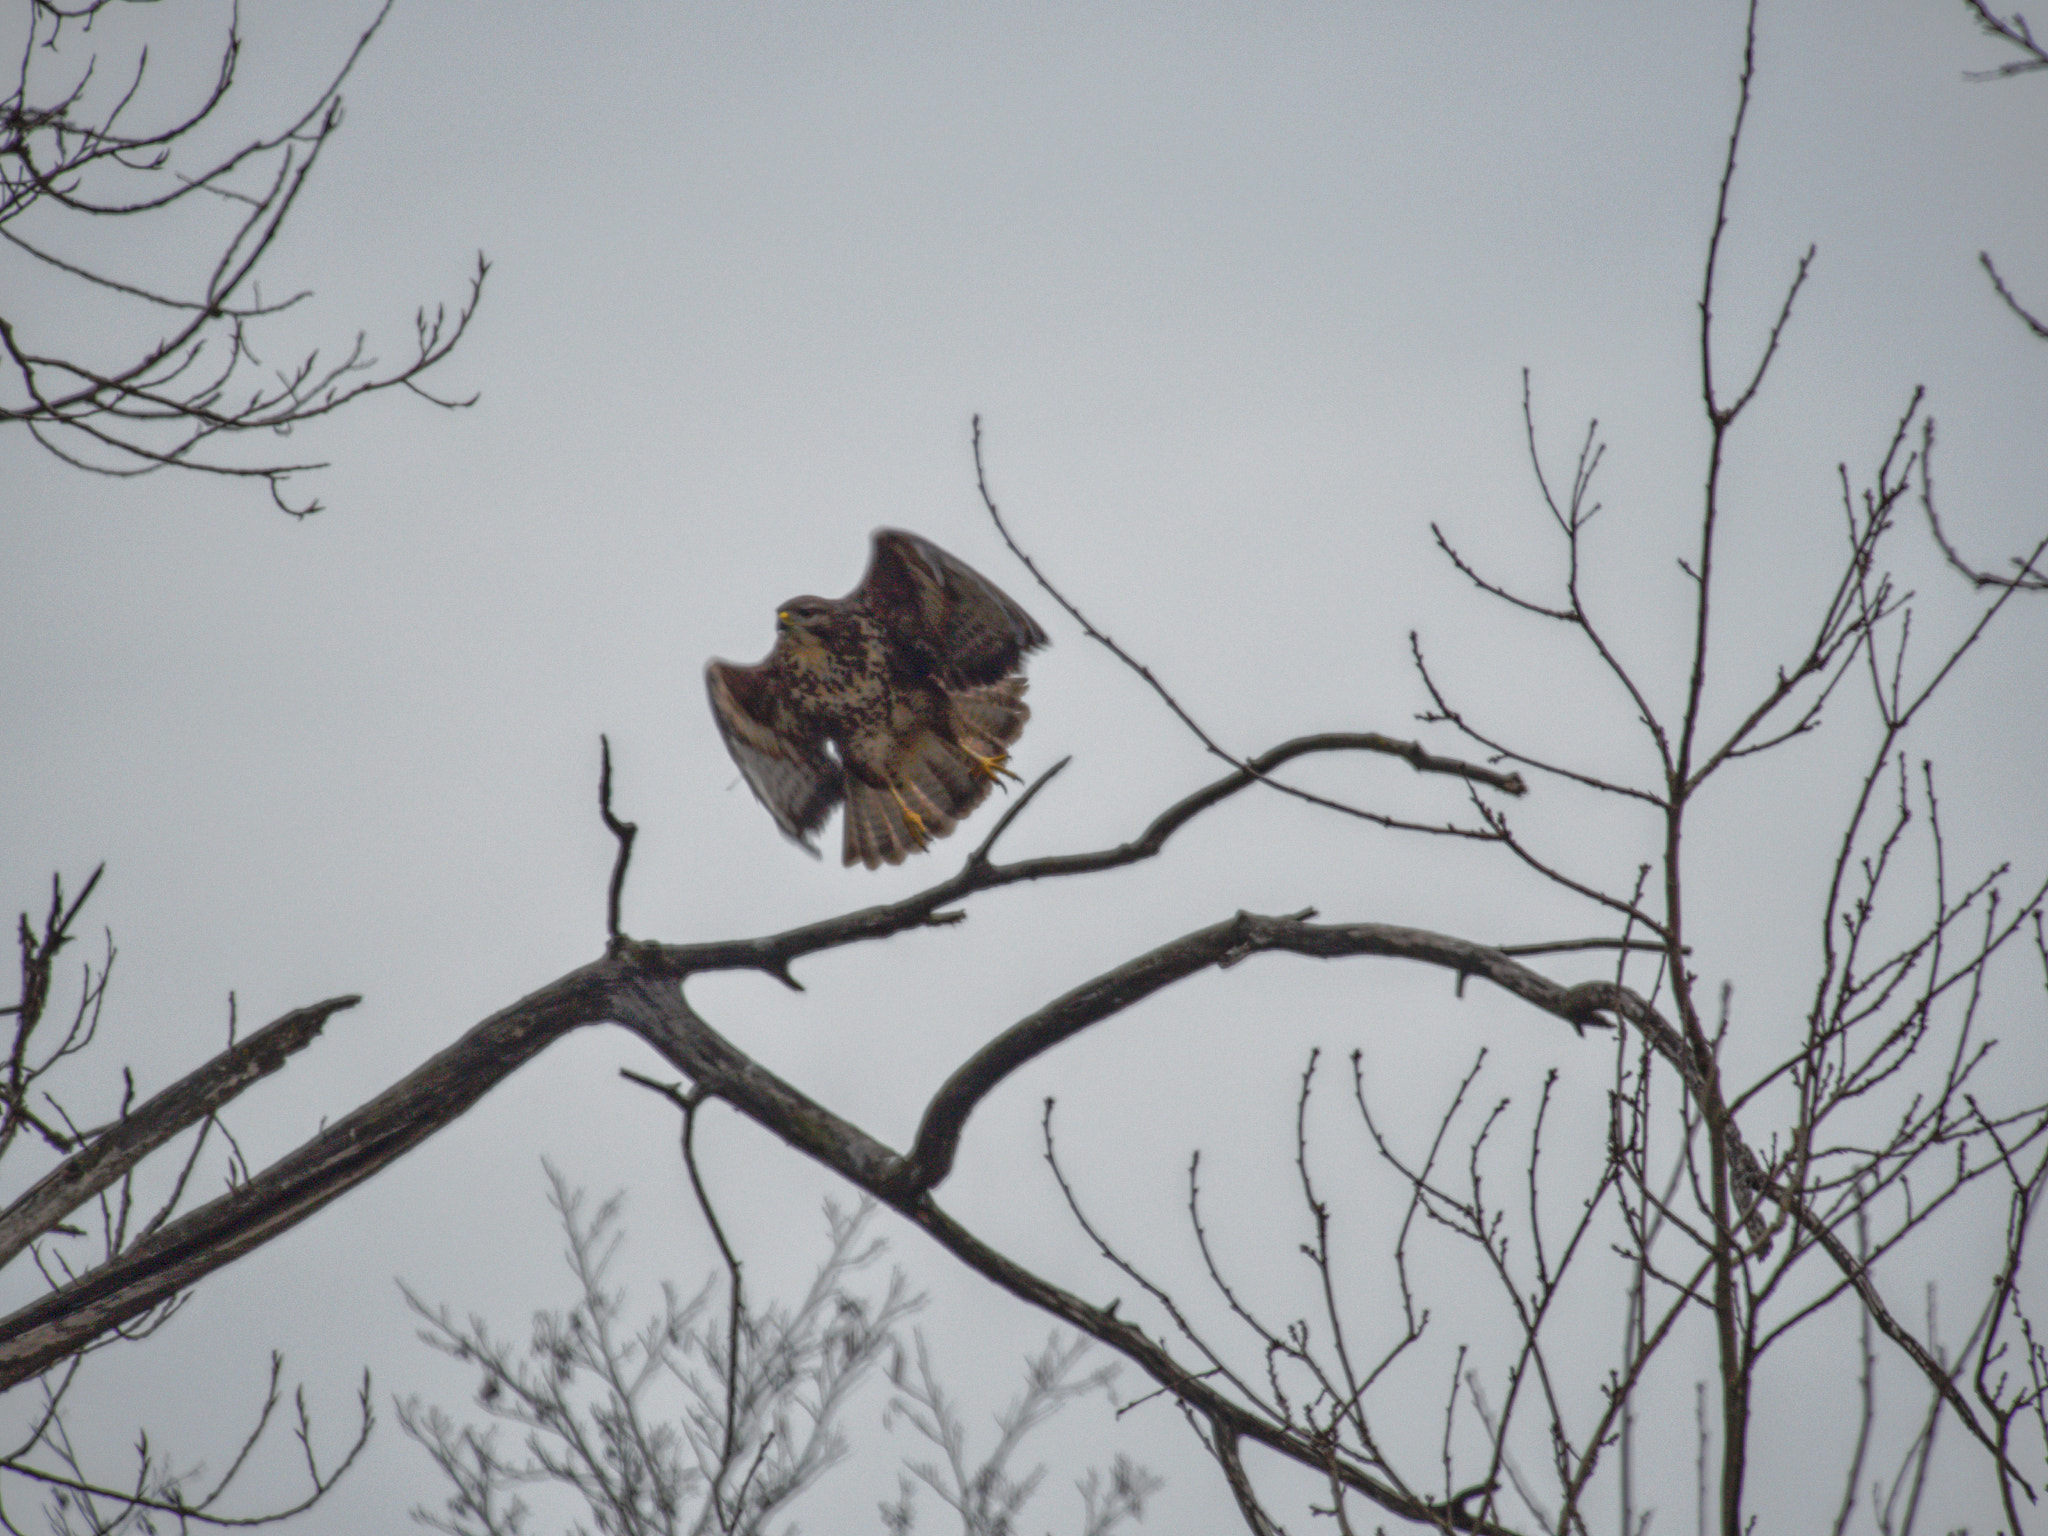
[899, 698]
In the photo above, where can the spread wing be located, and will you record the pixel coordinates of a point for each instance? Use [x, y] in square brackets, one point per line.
[951, 619]
[794, 776]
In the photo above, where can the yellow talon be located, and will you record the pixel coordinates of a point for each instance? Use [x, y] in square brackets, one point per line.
[996, 767]
[912, 822]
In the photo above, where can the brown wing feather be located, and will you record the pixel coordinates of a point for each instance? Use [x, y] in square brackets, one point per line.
[793, 776]
[949, 618]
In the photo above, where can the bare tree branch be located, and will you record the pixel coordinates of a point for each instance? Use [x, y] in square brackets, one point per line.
[123, 1145]
[2012, 29]
[170, 400]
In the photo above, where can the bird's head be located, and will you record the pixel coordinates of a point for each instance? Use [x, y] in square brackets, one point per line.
[803, 622]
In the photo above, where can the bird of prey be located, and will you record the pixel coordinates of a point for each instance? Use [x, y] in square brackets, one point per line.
[900, 698]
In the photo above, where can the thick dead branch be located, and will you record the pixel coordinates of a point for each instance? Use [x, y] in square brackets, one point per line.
[185, 1250]
[623, 988]
[1221, 945]
[116, 1150]
[615, 989]
[636, 985]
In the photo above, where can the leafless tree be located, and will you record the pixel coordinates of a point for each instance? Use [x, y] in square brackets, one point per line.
[1698, 1177]
[986, 1497]
[90, 148]
[48, 1074]
[86, 148]
[713, 1417]
[694, 1421]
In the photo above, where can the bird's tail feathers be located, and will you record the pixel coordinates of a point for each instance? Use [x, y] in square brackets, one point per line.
[933, 784]
[936, 777]
[876, 831]
[940, 782]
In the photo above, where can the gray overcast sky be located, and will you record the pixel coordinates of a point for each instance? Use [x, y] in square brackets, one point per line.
[1243, 296]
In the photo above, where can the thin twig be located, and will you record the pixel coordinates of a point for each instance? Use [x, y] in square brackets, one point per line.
[624, 831]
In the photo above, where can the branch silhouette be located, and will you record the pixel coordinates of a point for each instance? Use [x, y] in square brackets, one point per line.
[170, 399]
[636, 985]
